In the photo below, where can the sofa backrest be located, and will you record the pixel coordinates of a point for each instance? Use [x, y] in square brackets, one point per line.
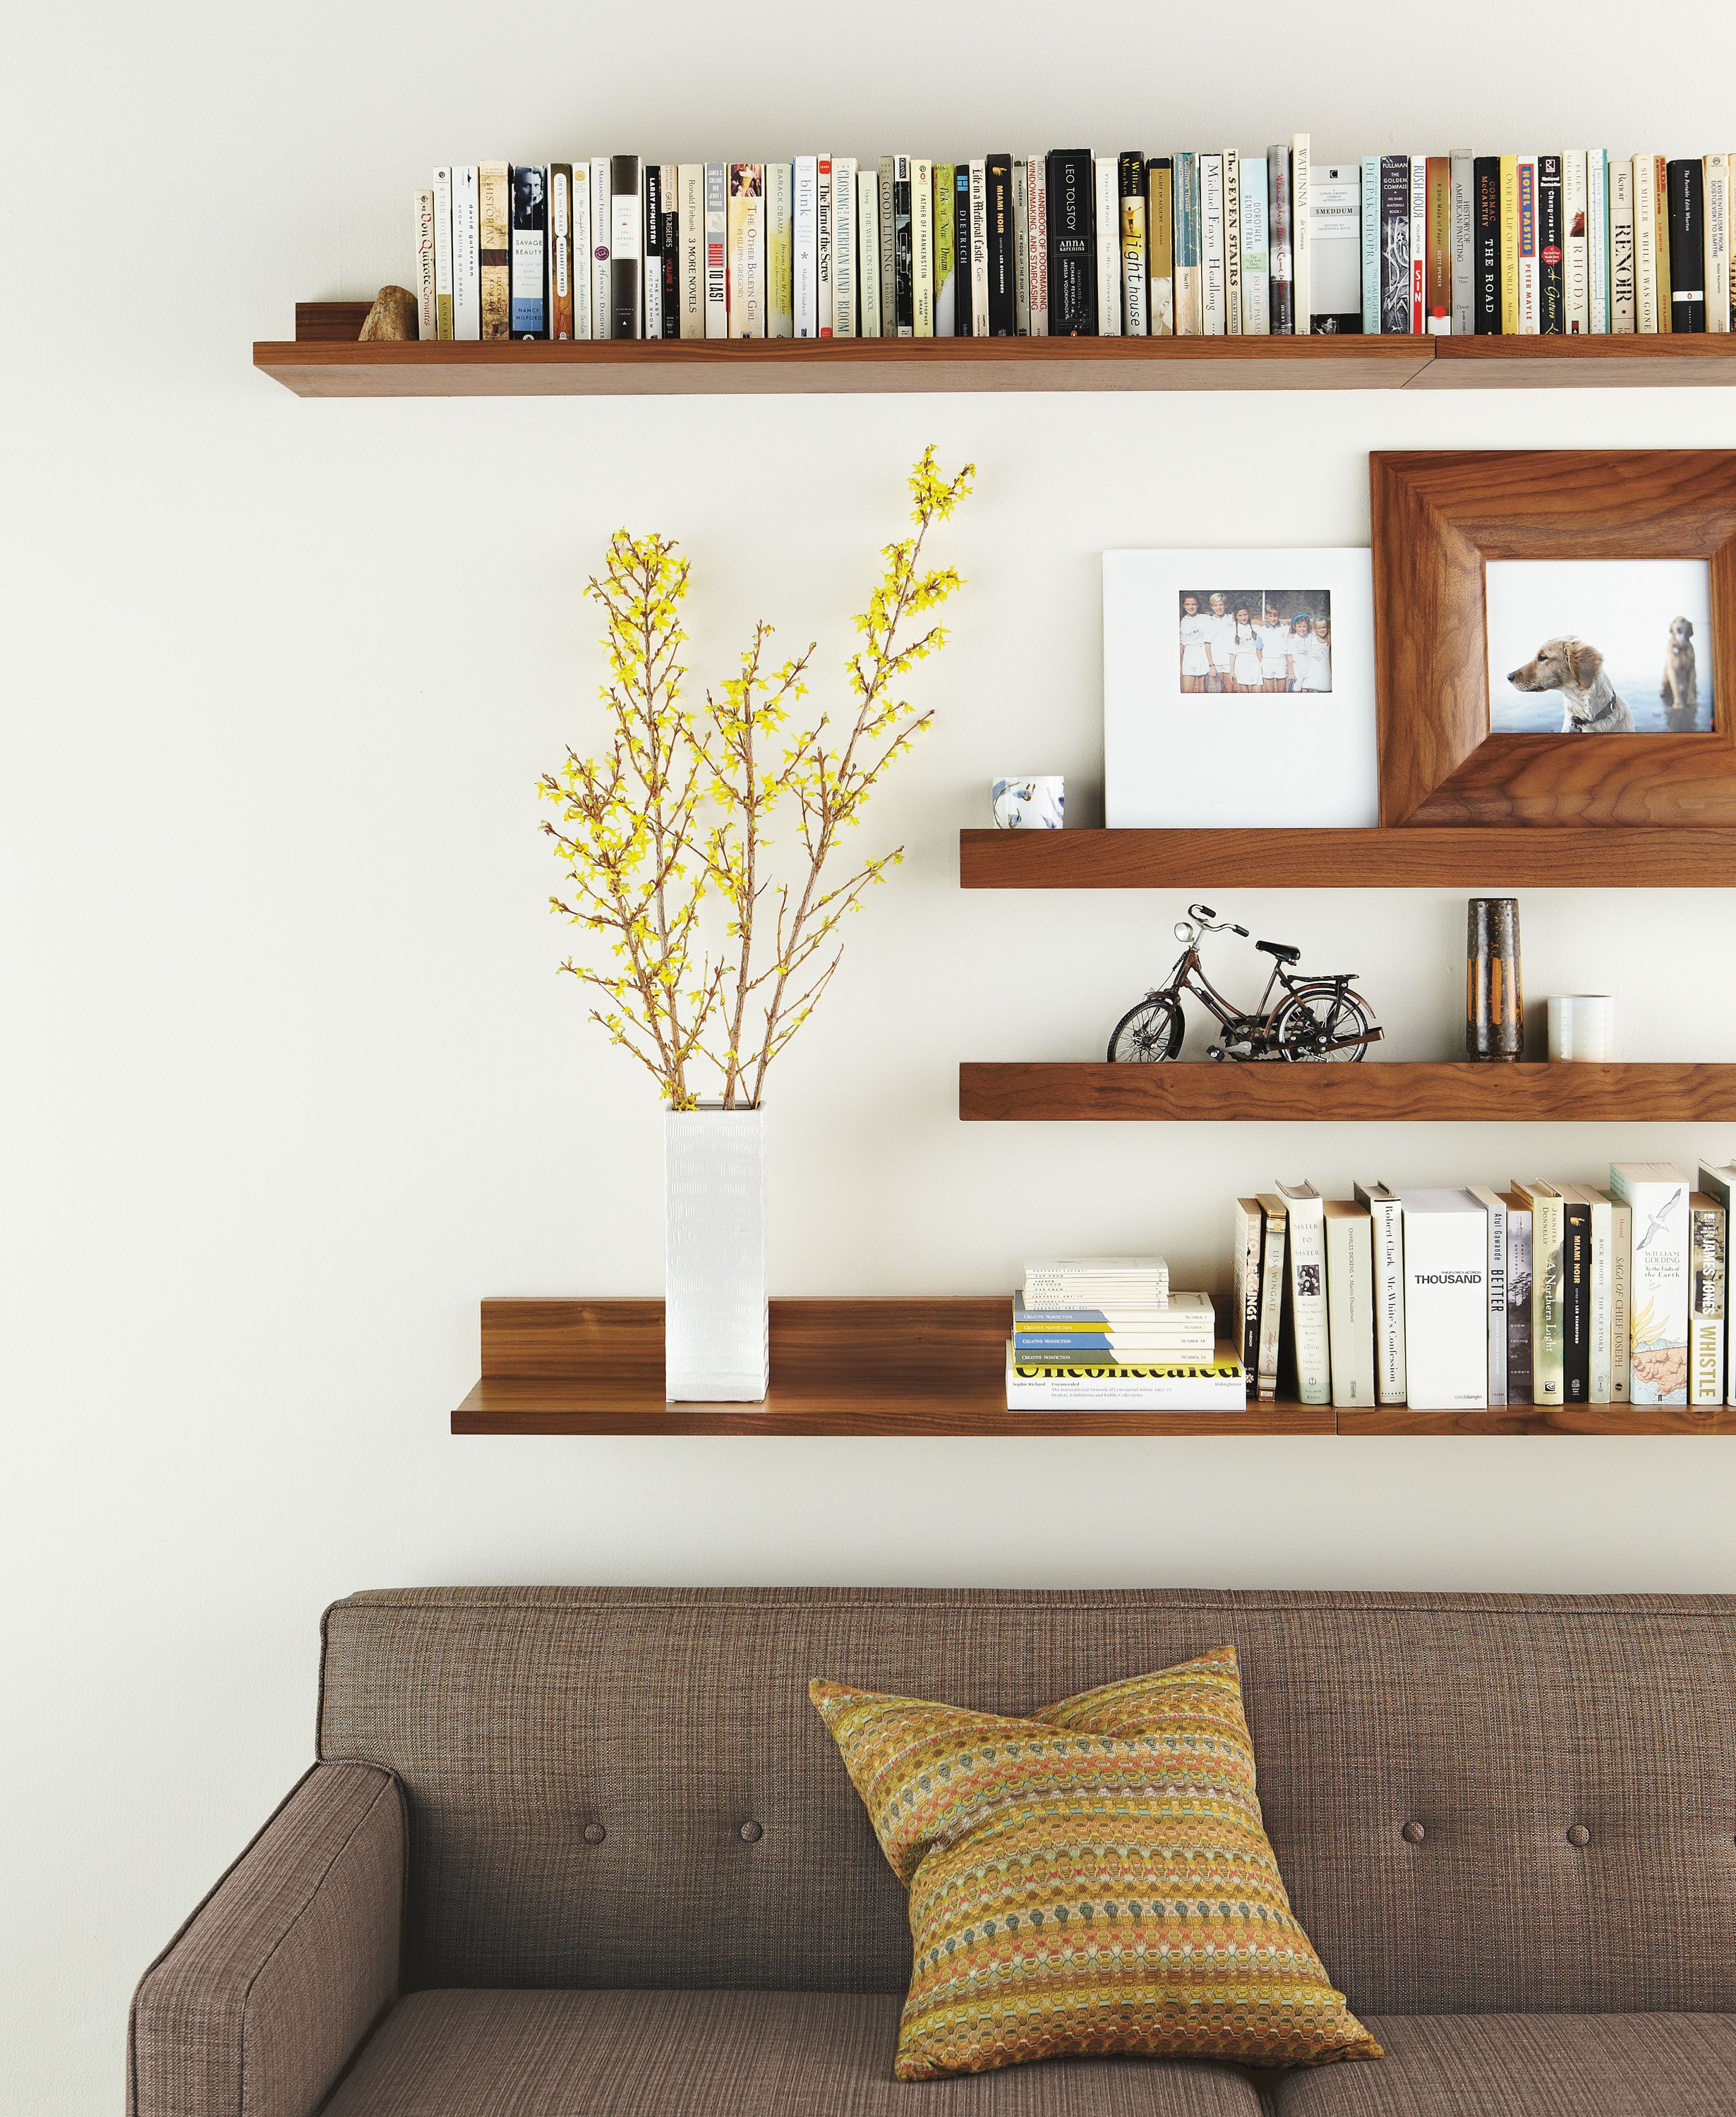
[628, 1787]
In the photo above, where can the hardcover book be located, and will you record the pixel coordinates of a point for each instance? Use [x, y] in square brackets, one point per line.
[1335, 248]
[1597, 242]
[1279, 202]
[1306, 1342]
[1037, 205]
[946, 283]
[1486, 277]
[494, 246]
[1620, 1304]
[888, 247]
[1718, 1184]
[868, 250]
[1446, 1301]
[964, 322]
[1575, 266]
[1072, 298]
[825, 292]
[1464, 183]
[1370, 245]
[976, 229]
[903, 268]
[651, 239]
[1718, 242]
[626, 259]
[603, 229]
[1135, 306]
[690, 178]
[1386, 1214]
[745, 287]
[1212, 293]
[1530, 292]
[1301, 222]
[846, 278]
[1160, 223]
[561, 252]
[1520, 1381]
[1022, 246]
[1494, 1207]
[1622, 273]
[422, 230]
[1686, 182]
[1509, 245]
[1418, 243]
[1576, 1296]
[803, 247]
[1185, 187]
[1248, 1240]
[1233, 243]
[467, 274]
[1647, 308]
[1106, 220]
[1706, 1317]
[443, 326]
[1219, 1385]
[1350, 1298]
[1552, 295]
[1395, 244]
[671, 233]
[1602, 1293]
[1660, 218]
[921, 247]
[1548, 1232]
[1658, 1278]
[1272, 1276]
[998, 208]
[1437, 254]
[1256, 256]
[717, 250]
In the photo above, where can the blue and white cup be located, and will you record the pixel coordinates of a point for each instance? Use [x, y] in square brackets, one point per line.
[1029, 804]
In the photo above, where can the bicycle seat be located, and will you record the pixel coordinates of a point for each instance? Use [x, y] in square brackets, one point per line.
[1278, 948]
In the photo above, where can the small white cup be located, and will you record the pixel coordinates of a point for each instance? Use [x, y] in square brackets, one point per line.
[1582, 1026]
[1029, 804]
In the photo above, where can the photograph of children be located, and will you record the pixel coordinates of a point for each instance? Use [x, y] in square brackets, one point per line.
[1599, 646]
[1255, 639]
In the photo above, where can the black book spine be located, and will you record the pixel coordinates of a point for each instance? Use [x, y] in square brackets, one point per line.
[963, 321]
[1485, 293]
[1552, 291]
[1395, 244]
[903, 261]
[1002, 283]
[671, 238]
[626, 247]
[1686, 246]
[1072, 262]
[1576, 1297]
[653, 184]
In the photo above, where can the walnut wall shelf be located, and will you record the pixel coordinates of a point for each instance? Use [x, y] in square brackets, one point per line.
[325, 359]
[894, 1366]
[1555, 857]
[1372, 1092]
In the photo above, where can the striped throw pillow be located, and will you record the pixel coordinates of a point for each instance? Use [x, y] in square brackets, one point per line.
[1096, 1879]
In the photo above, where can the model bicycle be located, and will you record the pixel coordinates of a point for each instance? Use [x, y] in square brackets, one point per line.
[1316, 1018]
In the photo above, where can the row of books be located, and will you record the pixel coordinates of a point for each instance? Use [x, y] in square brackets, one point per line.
[1075, 243]
[1447, 1300]
[1095, 1334]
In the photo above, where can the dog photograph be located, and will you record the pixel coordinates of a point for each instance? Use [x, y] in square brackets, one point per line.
[1599, 646]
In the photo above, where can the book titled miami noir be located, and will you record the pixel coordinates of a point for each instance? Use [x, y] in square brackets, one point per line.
[1072, 295]
[1002, 270]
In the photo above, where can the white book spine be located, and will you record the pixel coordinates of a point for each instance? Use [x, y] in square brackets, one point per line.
[1232, 245]
[846, 287]
[1256, 249]
[1105, 170]
[1645, 245]
[1301, 206]
[1464, 208]
[1623, 317]
[1310, 1337]
[421, 217]
[601, 224]
[1601, 1384]
[1717, 196]
[922, 247]
[690, 274]
[1212, 289]
[1419, 251]
[467, 258]
[1036, 258]
[1574, 264]
[805, 246]
[578, 213]
[1390, 1378]
[1657, 1281]
[1446, 1307]
[824, 293]
[1706, 1303]
[1621, 1307]
[717, 250]
[871, 323]
[1597, 240]
[443, 253]
[1021, 247]
[1350, 1295]
[1494, 1209]
[978, 236]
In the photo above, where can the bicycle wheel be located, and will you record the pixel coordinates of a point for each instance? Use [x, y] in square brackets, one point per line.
[1149, 1033]
[1315, 1019]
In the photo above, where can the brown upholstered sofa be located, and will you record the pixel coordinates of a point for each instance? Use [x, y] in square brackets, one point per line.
[588, 1853]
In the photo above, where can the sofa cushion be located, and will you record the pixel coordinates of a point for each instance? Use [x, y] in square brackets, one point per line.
[1532, 2065]
[1091, 1879]
[724, 2054]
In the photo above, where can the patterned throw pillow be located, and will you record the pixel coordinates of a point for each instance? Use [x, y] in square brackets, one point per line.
[1095, 1878]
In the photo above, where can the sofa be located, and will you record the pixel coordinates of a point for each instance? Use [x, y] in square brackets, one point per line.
[589, 1852]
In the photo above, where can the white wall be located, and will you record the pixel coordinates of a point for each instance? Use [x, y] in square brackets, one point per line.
[293, 1082]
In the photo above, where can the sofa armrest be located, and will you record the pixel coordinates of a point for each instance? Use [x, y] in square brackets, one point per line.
[259, 2002]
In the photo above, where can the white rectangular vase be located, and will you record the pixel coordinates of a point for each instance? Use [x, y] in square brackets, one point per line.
[714, 1316]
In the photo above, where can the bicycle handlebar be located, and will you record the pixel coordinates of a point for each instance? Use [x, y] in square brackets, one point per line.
[1209, 919]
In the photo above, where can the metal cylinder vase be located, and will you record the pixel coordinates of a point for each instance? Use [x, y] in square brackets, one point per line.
[1494, 1000]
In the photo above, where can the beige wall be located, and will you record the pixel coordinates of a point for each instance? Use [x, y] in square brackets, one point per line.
[293, 1080]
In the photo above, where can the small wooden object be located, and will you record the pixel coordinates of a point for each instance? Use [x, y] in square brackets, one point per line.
[1494, 1008]
[392, 317]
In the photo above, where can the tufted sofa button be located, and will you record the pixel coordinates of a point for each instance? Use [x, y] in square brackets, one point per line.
[1413, 1833]
[751, 1833]
[1577, 1834]
[594, 1833]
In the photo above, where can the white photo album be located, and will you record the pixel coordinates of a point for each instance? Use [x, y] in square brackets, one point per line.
[1239, 689]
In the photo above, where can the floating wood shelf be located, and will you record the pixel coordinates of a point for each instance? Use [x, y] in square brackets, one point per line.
[916, 1368]
[1372, 1092]
[325, 359]
[1553, 857]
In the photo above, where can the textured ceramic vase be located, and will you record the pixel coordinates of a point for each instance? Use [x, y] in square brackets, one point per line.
[1494, 1003]
[714, 1314]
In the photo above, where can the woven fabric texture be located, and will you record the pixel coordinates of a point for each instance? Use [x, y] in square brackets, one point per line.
[1532, 2065]
[724, 2054]
[258, 2003]
[1093, 1880]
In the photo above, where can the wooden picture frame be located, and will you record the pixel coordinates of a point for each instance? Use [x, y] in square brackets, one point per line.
[1438, 518]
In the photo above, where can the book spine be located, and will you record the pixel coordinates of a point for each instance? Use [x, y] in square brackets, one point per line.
[494, 246]
[1576, 245]
[1135, 303]
[691, 231]
[1486, 292]
[825, 287]
[467, 272]
[1418, 243]
[1247, 1229]
[602, 229]
[946, 249]
[1597, 242]
[1371, 317]
[870, 321]
[1438, 275]
[422, 222]
[1185, 186]
[1645, 308]
[997, 176]
[1529, 313]
[561, 305]
[1309, 1342]
[1546, 1309]
[1660, 238]
[1718, 242]
[1520, 1383]
[1621, 1302]
[1509, 245]
[1602, 1373]
[1446, 1311]
[777, 218]
[1350, 1290]
[652, 241]
[903, 283]
[1706, 1319]
[1233, 244]
[1036, 201]
[976, 229]
[1272, 1276]
[964, 304]
[1256, 255]
[1387, 1216]
[1107, 222]
[1658, 1286]
[579, 221]
[625, 238]
[1395, 244]
[1022, 246]
[922, 247]
[846, 269]
[804, 299]
[1576, 1302]
[1552, 305]
[443, 326]
[1278, 238]
[1212, 295]
[671, 234]
[1301, 199]
[1464, 193]
[884, 191]
[1622, 312]
[745, 290]
[1686, 186]
[1497, 1212]
[1160, 230]
[717, 250]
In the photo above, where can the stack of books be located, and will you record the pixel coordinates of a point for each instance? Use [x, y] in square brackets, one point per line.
[1105, 1334]
[1071, 242]
[1544, 1294]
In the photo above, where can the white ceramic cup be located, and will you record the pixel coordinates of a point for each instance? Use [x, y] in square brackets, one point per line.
[1029, 804]
[1582, 1026]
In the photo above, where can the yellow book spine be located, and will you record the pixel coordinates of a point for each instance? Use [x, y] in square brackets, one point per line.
[1509, 245]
